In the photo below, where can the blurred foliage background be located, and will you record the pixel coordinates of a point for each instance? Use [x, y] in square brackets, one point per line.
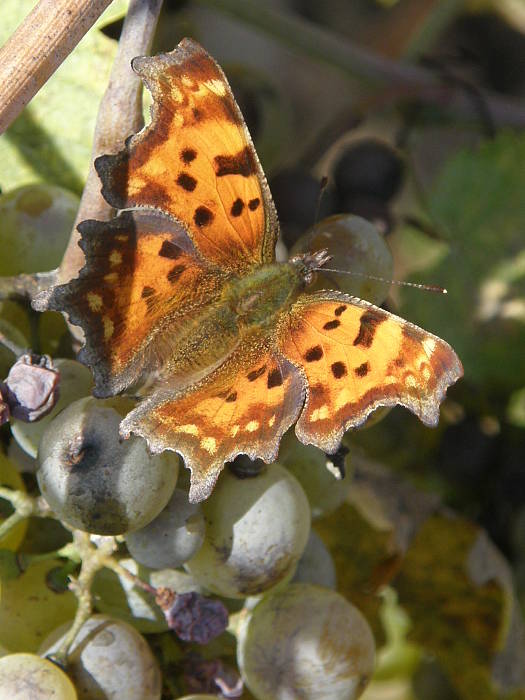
[444, 184]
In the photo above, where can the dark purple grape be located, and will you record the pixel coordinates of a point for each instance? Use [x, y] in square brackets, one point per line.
[369, 167]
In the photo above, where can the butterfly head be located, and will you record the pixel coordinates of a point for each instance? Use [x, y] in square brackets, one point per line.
[309, 263]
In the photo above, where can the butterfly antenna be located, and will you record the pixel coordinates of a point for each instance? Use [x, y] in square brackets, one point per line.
[322, 189]
[399, 283]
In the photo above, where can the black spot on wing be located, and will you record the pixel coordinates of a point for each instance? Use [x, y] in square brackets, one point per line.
[187, 182]
[368, 324]
[314, 354]
[187, 155]
[147, 292]
[175, 273]
[237, 207]
[169, 250]
[330, 325]
[362, 370]
[274, 378]
[338, 369]
[255, 373]
[202, 216]
[241, 163]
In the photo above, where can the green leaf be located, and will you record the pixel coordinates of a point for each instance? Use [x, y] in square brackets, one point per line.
[117, 10]
[457, 589]
[365, 559]
[51, 139]
[477, 204]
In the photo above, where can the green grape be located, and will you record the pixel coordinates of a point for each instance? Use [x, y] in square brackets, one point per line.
[316, 564]
[356, 246]
[30, 608]
[172, 538]
[305, 642]
[75, 381]
[308, 464]
[256, 531]
[119, 597]
[10, 477]
[109, 659]
[35, 224]
[29, 677]
[22, 461]
[95, 481]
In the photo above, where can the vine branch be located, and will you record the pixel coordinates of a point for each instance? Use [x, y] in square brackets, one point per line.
[119, 115]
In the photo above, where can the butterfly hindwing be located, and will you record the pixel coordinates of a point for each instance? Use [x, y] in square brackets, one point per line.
[196, 161]
[243, 407]
[356, 357]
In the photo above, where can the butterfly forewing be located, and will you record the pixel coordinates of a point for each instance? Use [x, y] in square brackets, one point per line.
[196, 161]
[142, 281]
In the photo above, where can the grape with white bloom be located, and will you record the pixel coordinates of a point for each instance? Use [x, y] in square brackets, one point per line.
[97, 482]
[306, 642]
[109, 659]
[308, 464]
[172, 538]
[29, 677]
[35, 225]
[256, 531]
[356, 246]
[316, 565]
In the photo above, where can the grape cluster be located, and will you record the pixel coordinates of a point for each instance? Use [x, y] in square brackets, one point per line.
[250, 548]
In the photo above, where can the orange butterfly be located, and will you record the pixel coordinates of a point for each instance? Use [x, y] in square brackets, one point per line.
[182, 289]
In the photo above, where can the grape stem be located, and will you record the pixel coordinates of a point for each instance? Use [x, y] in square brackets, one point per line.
[24, 506]
[94, 557]
[120, 570]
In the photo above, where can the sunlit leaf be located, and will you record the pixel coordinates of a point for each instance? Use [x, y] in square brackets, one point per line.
[51, 139]
[457, 590]
[477, 204]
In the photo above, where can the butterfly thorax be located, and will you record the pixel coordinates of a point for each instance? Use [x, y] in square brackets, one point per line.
[258, 298]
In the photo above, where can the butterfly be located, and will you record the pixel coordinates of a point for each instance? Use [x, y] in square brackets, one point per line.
[182, 290]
